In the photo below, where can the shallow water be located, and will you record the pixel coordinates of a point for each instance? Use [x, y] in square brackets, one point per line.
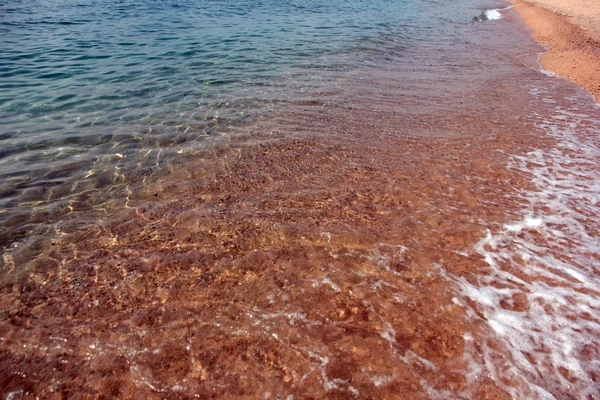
[92, 94]
[413, 217]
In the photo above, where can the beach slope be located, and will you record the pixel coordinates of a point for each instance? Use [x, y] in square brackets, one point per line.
[570, 31]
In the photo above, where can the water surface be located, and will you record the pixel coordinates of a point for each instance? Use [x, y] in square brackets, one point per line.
[272, 199]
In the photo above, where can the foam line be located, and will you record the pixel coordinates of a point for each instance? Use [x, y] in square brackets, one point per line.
[541, 297]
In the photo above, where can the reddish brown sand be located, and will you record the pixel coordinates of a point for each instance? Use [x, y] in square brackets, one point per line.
[583, 13]
[570, 30]
[305, 265]
[306, 255]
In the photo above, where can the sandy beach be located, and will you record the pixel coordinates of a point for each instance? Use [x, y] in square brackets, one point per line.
[299, 200]
[570, 30]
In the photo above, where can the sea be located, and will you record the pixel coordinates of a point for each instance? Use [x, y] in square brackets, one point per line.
[286, 199]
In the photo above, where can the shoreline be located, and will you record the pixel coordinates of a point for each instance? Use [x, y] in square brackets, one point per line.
[569, 34]
[375, 235]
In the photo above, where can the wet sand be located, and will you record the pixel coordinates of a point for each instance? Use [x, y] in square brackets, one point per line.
[570, 30]
[333, 250]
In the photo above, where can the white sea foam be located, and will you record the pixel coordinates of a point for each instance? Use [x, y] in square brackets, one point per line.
[541, 297]
[326, 281]
[493, 14]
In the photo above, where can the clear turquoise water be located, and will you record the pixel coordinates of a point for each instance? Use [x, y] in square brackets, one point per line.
[95, 92]
[149, 62]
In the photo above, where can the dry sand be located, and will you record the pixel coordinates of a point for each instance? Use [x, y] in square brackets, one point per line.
[583, 13]
[570, 30]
